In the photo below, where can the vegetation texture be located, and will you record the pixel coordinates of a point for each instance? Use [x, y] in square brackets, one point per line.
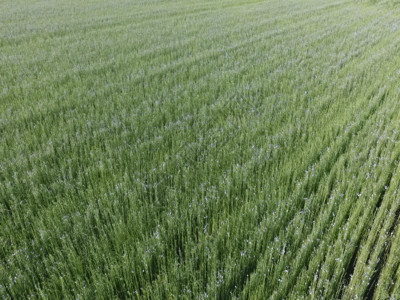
[185, 149]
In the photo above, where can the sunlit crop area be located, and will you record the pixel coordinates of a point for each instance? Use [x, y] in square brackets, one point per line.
[181, 149]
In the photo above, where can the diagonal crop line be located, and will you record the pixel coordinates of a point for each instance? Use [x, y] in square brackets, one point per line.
[352, 263]
[374, 242]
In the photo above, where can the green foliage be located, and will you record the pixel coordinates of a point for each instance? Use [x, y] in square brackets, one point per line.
[199, 149]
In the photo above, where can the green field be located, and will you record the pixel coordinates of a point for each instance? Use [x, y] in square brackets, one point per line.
[181, 149]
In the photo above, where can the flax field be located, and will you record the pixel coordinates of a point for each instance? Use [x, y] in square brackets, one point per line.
[215, 149]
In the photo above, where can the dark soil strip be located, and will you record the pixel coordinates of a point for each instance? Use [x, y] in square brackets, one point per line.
[383, 257]
[349, 270]
[375, 277]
